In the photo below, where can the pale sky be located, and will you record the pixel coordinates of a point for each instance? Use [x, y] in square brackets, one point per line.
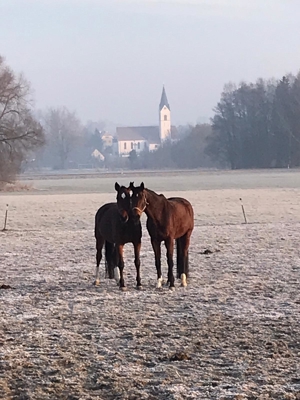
[108, 59]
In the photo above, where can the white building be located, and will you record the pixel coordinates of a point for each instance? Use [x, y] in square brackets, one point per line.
[107, 139]
[141, 138]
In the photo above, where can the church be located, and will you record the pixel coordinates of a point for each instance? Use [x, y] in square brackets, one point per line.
[140, 138]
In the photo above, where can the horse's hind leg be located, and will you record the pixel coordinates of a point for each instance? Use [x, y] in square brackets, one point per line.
[109, 260]
[99, 247]
[179, 258]
[185, 242]
[137, 262]
[170, 250]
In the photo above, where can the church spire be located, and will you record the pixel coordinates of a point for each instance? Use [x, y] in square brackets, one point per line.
[163, 100]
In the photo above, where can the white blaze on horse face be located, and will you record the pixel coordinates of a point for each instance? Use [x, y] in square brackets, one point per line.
[183, 280]
[159, 282]
[117, 274]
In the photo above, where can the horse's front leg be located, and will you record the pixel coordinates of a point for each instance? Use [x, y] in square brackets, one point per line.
[170, 250]
[120, 249]
[137, 262]
[157, 254]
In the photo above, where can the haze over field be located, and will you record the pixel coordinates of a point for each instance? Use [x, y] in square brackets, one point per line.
[109, 59]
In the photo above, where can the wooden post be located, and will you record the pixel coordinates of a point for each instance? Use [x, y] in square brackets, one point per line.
[5, 218]
[243, 211]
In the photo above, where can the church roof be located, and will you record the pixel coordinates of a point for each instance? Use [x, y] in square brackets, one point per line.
[164, 100]
[149, 133]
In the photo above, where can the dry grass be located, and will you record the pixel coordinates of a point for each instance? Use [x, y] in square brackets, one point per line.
[15, 187]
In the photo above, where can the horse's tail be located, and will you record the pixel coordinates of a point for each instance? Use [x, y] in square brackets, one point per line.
[109, 259]
[179, 258]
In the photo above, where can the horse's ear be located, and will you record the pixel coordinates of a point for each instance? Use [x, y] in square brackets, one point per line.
[131, 185]
[117, 186]
[142, 186]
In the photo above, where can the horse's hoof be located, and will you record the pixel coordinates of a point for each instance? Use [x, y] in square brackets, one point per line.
[183, 280]
[139, 287]
[97, 282]
[117, 274]
[159, 283]
[172, 288]
[123, 288]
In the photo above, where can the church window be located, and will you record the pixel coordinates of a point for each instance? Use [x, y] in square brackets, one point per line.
[125, 146]
[139, 146]
[131, 145]
[165, 118]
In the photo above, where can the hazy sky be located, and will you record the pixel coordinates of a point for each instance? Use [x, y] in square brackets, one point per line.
[108, 59]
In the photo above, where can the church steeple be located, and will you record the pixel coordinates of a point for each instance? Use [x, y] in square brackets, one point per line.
[164, 117]
[164, 100]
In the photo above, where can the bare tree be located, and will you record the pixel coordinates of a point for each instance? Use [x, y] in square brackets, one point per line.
[20, 133]
[64, 133]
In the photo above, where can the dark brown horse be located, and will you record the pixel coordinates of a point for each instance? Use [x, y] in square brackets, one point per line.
[114, 225]
[168, 219]
[110, 262]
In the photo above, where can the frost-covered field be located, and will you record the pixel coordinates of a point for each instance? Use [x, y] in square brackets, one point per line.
[234, 333]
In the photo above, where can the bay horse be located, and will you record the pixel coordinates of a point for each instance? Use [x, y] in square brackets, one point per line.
[168, 220]
[114, 225]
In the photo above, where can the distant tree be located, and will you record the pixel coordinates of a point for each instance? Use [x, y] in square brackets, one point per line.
[63, 132]
[250, 128]
[95, 141]
[133, 157]
[257, 125]
[182, 131]
[160, 158]
[295, 125]
[189, 152]
[20, 133]
[224, 142]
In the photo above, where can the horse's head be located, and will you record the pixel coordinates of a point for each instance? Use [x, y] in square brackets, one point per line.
[138, 199]
[123, 201]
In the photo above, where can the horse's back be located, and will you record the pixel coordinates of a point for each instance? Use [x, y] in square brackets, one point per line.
[182, 206]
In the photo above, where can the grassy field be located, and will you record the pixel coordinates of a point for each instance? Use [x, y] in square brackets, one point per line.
[232, 334]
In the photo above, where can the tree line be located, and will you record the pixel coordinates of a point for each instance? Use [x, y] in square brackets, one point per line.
[188, 151]
[255, 125]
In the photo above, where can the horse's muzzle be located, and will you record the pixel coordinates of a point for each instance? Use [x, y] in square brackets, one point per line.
[135, 216]
[124, 217]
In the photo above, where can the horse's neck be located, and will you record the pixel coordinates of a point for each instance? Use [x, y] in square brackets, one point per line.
[156, 206]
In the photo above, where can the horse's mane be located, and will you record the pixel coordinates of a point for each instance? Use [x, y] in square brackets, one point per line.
[155, 194]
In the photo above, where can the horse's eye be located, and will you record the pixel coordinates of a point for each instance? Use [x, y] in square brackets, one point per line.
[123, 195]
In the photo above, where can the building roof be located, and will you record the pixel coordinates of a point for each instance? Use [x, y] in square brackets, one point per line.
[164, 100]
[149, 133]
